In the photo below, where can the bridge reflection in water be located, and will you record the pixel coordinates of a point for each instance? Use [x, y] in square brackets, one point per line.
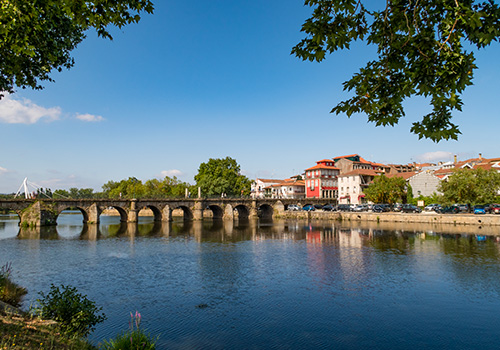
[45, 212]
[217, 230]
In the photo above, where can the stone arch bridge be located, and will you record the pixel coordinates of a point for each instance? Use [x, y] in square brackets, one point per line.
[43, 212]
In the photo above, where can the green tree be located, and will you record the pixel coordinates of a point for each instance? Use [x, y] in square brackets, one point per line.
[423, 50]
[130, 188]
[37, 37]
[471, 186]
[168, 187]
[219, 176]
[387, 190]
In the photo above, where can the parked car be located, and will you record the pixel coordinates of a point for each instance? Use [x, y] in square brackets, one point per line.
[386, 207]
[308, 207]
[329, 207]
[452, 209]
[293, 207]
[464, 208]
[377, 208]
[431, 207]
[488, 208]
[318, 206]
[437, 208]
[495, 208]
[410, 208]
[397, 207]
[344, 207]
[359, 207]
[479, 209]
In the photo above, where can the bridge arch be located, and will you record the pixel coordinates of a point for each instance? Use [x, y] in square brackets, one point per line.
[217, 211]
[242, 212]
[188, 213]
[265, 211]
[122, 212]
[157, 214]
[84, 213]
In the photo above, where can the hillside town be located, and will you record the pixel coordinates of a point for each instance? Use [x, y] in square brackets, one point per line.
[343, 179]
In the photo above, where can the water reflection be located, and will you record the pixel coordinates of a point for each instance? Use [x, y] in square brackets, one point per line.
[290, 284]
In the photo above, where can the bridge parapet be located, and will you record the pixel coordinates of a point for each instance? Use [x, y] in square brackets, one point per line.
[42, 212]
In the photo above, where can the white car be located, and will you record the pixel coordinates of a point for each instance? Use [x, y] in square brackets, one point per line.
[431, 207]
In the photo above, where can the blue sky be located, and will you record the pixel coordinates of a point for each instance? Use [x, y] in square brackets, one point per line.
[210, 79]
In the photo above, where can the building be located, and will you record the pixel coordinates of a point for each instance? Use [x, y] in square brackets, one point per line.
[289, 189]
[261, 188]
[355, 161]
[352, 184]
[321, 180]
[423, 183]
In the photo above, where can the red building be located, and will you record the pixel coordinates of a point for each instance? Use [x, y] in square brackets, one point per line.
[321, 180]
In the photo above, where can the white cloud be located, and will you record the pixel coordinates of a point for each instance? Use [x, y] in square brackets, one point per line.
[434, 156]
[3, 170]
[24, 111]
[171, 173]
[89, 118]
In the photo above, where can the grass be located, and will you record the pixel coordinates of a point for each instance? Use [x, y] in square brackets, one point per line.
[27, 333]
[10, 292]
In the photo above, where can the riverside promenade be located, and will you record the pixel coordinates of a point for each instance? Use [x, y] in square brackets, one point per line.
[421, 218]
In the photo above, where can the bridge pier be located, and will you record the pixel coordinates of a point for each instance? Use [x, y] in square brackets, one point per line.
[197, 211]
[166, 213]
[254, 214]
[228, 212]
[38, 215]
[93, 213]
[133, 213]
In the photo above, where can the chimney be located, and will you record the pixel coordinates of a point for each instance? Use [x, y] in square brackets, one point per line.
[480, 156]
[455, 159]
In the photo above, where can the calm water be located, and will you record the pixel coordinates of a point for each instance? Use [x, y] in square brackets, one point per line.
[282, 285]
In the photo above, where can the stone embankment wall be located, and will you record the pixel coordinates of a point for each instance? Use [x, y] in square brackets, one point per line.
[423, 218]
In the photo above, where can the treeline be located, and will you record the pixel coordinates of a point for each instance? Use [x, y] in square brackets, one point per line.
[217, 177]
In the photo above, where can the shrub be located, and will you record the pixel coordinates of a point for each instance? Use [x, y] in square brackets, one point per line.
[133, 339]
[75, 314]
[10, 292]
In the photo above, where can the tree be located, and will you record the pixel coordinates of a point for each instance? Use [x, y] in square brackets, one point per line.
[471, 186]
[387, 190]
[130, 188]
[168, 187]
[422, 50]
[222, 176]
[37, 37]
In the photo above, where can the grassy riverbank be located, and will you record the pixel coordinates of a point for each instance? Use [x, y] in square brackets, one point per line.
[23, 332]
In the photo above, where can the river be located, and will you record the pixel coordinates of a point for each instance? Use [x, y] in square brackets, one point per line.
[276, 285]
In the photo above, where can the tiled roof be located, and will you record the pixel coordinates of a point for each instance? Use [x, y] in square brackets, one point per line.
[323, 166]
[405, 175]
[369, 172]
[348, 156]
[270, 180]
[288, 183]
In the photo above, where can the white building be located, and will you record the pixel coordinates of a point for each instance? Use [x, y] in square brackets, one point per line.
[352, 183]
[261, 188]
[290, 188]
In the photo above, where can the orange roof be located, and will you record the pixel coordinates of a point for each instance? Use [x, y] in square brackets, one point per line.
[322, 166]
[405, 175]
[270, 180]
[443, 171]
[348, 156]
[325, 160]
[369, 172]
[288, 183]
